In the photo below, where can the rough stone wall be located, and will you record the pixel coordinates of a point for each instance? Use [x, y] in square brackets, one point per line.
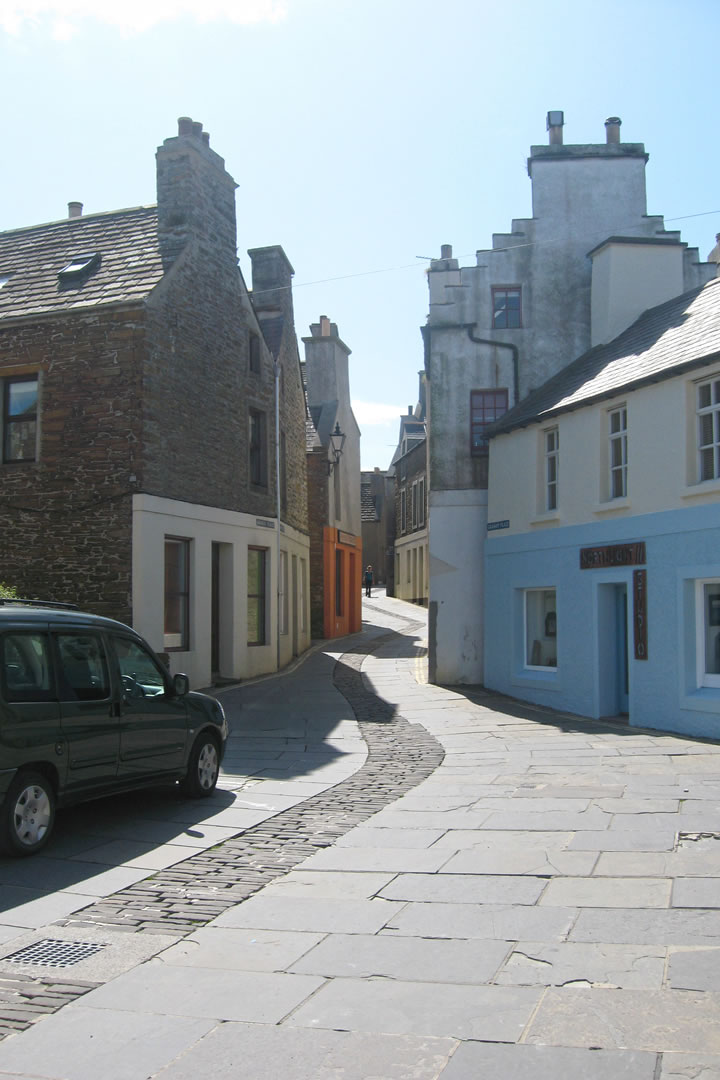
[65, 520]
[292, 423]
[198, 392]
[317, 514]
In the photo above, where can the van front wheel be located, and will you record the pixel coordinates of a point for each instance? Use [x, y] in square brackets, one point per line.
[203, 768]
[28, 814]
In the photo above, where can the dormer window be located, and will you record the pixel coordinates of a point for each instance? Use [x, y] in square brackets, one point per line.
[79, 265]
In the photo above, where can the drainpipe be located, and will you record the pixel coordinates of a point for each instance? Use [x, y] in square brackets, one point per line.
[276, 370]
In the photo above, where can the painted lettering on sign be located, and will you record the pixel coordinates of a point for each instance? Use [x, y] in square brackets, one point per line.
[492, 525]
[346, 538]
[596, 558]
[640, 614]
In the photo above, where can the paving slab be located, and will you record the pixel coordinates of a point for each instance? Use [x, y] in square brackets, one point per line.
[248, 1052]
[404, 1008]
[694, 969]
[689, 1067]
[85, 1044]
[241, 950]
[323, 915]
[68, 951]
[559, 964]
[465, 888]
[541, 863]
[364, 956]
[654, 1020]
[360, 859]
[494, 922]
[696, 893]
[336, 884]
[631, 926]
[378, 837]
[257, 997]
[478, 1060]
[609, 892]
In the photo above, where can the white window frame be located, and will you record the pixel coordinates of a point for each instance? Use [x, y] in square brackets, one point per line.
[283, 598]
[713, 409]
[618, 437]
[551, 440]
[704, 678]
[176, 594]
[403, 510]
[525, 642]
[421, 502]
[414, 505]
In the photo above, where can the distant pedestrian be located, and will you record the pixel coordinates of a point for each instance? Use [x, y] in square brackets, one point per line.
[368, 580]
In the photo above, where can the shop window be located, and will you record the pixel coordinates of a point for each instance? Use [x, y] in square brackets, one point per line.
[507, 307]
[618, 447]
[540, 628]
[19, 418]
[552, 461]
[177, 594]
[708, 420]
[485, 407]
[257, 596]
[338, 582]
[707, 609]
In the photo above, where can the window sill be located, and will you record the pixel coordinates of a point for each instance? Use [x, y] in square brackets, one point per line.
[546, 519]
[612, 505]
[537, 679]
[704, 699]
[705, 487]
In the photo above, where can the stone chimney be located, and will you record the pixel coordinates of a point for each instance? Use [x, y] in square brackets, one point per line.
[75, 209]
[195, 196]
[326, 364]
[272, 277]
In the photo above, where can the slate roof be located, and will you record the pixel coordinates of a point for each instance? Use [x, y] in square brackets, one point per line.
[680, 334]
[368, 509]
[129, 268]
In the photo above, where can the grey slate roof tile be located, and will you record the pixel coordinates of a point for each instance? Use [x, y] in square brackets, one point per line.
[681, 333]
[130, 263]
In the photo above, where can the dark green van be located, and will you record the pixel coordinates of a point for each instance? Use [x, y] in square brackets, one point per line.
[87, 709]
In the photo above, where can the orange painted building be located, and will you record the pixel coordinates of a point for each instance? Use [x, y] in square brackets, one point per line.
[342, 575]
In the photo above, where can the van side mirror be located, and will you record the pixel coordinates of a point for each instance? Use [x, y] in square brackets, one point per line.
[181, 685]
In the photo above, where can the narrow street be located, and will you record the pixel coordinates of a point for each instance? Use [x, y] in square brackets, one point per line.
[393, 881]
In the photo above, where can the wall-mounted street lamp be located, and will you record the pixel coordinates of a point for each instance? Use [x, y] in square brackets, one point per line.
[337, 441]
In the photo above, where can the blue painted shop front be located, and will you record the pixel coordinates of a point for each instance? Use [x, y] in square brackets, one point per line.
[617, 618]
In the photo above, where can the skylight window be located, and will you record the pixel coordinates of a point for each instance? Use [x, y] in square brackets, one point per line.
[4, 278]
[81, 264]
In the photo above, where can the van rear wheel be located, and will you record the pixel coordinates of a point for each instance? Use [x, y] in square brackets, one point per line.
[28, 814]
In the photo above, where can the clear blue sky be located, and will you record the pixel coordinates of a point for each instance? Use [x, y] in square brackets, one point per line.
[362, 133]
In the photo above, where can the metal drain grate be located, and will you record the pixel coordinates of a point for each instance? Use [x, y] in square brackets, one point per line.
[53, 953]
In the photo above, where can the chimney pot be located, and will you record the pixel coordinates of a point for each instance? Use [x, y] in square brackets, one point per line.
[612, 129]
[75, 209]
[410, 410]
[206, 137]
[446, 251]
[555, 123]
[196, 129]
[185, 125]
[324, 326]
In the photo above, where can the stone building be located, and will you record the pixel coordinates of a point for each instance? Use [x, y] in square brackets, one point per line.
[377, 506]
[142, 466]
[500, 328]
[333, 463]
[411, 530]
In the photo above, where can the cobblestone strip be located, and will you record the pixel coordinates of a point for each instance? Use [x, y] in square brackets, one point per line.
[24, 999]
[190, 894]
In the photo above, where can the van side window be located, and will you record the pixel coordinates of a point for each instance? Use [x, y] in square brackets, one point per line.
[83, 668]
[141, 676]
[25, 667]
